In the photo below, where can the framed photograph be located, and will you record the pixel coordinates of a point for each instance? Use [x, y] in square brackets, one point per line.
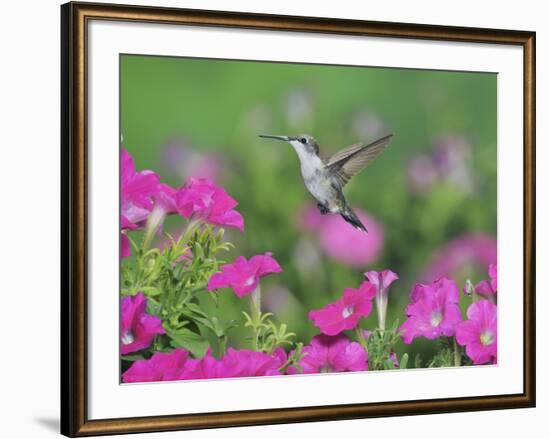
[271, 219]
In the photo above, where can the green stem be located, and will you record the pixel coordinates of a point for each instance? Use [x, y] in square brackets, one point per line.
[361, 339]
[222, 344]
[154, 221]
[381, 309]
[255, 314]
[457, 354]
[191, 228]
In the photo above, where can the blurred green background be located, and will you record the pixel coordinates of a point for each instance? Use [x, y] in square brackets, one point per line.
[432, 192]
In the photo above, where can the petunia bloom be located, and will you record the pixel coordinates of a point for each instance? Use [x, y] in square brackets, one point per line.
[243, 276]
[252, 363]
[162, 366]
[382, 281]
[342, 242]
[235, 363]
[165, 198]
[125, 246]
[137, 327]
[479, 332]
[486, 287]
[345, 313]
[208, 367]
[203, 199]
[434, 311]
[137, 189]
[331, 354]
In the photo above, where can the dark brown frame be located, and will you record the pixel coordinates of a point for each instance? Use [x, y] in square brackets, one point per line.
[74, 190]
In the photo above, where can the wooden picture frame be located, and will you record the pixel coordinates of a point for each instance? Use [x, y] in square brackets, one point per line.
[75, 18]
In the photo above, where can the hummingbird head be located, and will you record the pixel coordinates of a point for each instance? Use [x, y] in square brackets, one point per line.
[304, 143]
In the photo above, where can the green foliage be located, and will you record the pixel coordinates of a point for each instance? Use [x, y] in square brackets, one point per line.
[443, 358]
[266, 334]
[173, 278]
[381, 344]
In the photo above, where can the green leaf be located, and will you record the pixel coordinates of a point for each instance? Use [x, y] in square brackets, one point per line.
[133, 357]
[150, 291]
[404, 361]
[184, 338]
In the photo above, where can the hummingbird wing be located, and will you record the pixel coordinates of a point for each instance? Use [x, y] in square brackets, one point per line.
[351, 160]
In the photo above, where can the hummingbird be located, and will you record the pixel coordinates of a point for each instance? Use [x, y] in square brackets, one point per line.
[325, 178]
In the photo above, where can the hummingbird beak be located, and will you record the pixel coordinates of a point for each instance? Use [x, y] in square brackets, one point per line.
[269, 136]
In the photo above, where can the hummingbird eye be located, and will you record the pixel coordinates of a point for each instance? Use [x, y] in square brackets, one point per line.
[303, 140]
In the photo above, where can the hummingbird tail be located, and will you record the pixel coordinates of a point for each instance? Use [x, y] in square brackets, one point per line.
[350, 216]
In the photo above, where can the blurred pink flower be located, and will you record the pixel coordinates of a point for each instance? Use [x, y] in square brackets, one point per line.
[448, 161]
[308, 218]
[434, 311]
[299, 107]
[276, 298]
[138, 329]
[306, 256]
[486, 287]
[421, 173]
[382, 281]
[342, 242]
[243, 276]
[137, 189]
[367, 125]
[461, 253]
[346, 312]
[479, 332]
[185, 161]
[451, 154]
[162, 366]
[331, 354]
[202, 198]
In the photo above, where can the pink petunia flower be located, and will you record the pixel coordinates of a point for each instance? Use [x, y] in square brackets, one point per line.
[345, 313]
[382, 281]
[235, 363]
[252, 363]
[125, 246]
[486, 287]
[165, 198]
[243, 276]
[202, 198]
[137, 189]
[137, 327]
[331, 354]
[342, 242]
[479, 332]
[434, 311]
[208, 367]
[162, 366]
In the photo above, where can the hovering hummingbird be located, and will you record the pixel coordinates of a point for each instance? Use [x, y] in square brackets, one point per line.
[325, 179]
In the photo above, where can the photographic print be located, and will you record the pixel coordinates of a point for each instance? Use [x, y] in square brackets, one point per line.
[292, 219]
[331, 219]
